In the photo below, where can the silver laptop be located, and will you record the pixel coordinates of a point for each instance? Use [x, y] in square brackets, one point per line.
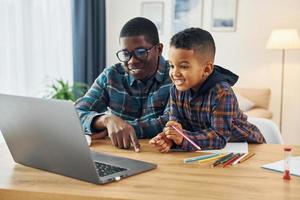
[47, 134]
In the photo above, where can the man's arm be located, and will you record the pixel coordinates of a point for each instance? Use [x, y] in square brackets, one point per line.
[121, 133]
[93, 105]
[93, 113]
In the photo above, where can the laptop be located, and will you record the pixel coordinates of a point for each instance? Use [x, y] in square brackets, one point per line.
[47, 134]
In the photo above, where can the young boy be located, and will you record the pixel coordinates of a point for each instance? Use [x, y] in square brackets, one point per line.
[202, 102]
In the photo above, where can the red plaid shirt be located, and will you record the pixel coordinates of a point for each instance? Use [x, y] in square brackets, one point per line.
[212, 119]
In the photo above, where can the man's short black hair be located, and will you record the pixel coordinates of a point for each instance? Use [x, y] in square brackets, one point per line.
[140, 26]
[196, 39]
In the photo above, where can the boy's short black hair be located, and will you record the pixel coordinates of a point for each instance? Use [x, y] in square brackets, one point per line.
[196, 39]
[141, 26]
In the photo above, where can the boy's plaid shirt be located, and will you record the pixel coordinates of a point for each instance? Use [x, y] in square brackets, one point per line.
[212, 119]
[142, 105]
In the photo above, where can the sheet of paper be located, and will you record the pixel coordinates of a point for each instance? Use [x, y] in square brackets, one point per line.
[231, 147]
[1, 138]
[278, 166]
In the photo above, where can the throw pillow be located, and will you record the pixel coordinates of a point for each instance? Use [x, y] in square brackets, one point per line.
[244, 103]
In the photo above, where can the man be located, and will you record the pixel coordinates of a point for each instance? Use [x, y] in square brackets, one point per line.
[129, 99]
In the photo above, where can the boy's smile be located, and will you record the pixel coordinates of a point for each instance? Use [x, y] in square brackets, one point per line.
[188, 68]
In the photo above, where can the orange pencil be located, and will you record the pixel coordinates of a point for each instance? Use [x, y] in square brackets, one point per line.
[249, 155]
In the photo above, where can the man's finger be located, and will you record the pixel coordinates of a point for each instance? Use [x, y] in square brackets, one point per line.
[135, 142]
[120, 141]
[113, 140]
[126, 142]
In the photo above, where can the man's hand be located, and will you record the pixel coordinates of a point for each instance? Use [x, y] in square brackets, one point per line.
[121, 133]
[162, 143]
[172, 134]
[99, 135]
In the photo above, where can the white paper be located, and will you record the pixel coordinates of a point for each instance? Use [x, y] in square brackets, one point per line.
[231, 147]
[279, 166]
[1, 138]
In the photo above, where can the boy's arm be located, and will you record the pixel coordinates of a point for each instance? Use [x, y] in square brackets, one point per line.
[173, 115]
[216, 136]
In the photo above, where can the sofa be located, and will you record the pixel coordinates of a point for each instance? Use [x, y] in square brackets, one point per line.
[254, 102]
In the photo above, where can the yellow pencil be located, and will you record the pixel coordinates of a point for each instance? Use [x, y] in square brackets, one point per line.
[249, 155]
[210, 159]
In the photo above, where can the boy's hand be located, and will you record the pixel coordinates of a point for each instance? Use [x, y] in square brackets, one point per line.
[172, 134]
[162, 143]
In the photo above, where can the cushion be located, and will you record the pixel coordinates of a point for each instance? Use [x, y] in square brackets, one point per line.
[259, 96]
[259, 112]
[244, 103]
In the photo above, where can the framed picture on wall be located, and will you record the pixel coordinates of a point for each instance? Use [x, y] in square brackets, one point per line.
[224, 14]
[155, 12]
[187, 13]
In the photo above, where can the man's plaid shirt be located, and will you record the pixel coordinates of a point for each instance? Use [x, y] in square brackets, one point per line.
[142, 105]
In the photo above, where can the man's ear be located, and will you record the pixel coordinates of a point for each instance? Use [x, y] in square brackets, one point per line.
[160, 47]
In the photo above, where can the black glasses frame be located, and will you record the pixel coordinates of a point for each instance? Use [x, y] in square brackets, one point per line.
[133, 53]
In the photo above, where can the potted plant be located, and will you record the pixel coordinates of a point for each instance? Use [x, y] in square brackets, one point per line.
[61, 89]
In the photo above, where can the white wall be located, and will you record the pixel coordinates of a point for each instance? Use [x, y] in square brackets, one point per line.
[242, 51]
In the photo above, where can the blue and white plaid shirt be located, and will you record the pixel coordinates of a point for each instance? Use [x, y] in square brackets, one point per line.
[142, 105]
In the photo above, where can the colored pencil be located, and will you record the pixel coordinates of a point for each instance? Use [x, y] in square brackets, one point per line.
[223, 159]
[240, 158]
[249, 155]
[230, 161]
[186, 137]
[210, 159]
[192, 159]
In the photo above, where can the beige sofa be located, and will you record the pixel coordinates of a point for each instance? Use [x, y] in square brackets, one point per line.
[254, 102]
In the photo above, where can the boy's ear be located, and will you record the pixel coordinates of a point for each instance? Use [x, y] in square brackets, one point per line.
[209, 67]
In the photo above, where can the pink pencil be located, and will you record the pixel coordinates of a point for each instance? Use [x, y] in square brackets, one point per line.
[186, 137]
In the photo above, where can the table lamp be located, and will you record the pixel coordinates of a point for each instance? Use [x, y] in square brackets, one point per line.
[283, 39]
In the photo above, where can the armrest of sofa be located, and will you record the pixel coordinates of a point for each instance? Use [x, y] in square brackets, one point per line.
[259, 112]
[260, 97]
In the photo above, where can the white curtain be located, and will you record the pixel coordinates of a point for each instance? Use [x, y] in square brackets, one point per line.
[35, 45]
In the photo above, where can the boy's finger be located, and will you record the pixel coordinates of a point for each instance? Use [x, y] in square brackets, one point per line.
[160, 142]
[165, 150]
[172, 123]
[160, 135]
[171, 133]
[152, 141]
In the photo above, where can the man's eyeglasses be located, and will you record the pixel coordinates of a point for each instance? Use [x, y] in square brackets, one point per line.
[139, 53]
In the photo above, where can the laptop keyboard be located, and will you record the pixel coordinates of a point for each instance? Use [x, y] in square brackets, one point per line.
[105, 169]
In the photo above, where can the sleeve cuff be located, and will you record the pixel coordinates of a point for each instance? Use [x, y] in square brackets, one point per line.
[88, 124]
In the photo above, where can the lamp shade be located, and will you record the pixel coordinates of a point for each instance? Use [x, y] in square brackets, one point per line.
[283, 39]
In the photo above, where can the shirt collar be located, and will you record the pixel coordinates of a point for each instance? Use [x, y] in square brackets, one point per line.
[159, 75]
